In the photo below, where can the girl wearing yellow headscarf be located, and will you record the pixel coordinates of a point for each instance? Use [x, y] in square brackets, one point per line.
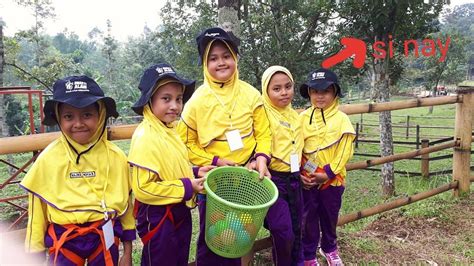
[79, 186]
[162, 177]
[328, 146]
[224, 123]
[284, 217]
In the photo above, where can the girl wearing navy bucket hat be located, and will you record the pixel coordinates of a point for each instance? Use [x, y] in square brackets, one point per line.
[163, 179]
[328, 146]
[224, 122]
[78, 188]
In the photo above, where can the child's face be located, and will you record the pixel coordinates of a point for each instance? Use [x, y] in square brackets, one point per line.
[167, 102]
[220, 63]
[79, 124]
[322, 98]
[280, 90]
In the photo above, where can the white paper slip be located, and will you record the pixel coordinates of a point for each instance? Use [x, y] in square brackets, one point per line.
[294, 163]
[310, 167]
[234, 140]
[108, 234]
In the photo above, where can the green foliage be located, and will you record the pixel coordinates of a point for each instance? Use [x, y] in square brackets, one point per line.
[16, 115]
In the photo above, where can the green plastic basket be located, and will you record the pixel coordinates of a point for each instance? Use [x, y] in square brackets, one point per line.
[237, 203]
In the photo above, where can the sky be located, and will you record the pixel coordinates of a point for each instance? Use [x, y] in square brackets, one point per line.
[128, 17]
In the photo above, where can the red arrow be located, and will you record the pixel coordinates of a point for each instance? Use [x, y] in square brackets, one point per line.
[353, 46]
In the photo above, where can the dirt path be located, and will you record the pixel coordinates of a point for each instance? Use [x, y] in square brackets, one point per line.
[395, 239]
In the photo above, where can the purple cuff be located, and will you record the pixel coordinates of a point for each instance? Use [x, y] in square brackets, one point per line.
[196, 171]
[329, 172]
[264, 155]
[188, 189]
[128, 235]
[214, 160]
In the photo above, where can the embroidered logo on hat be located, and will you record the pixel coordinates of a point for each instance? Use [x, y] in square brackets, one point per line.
[212, 34]
[165, 70]
[76, 86]
[319, 75]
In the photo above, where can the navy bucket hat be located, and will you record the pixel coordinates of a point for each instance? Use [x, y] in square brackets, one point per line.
[321, 79]
[216, 33]
[152, 76]
[79, 92]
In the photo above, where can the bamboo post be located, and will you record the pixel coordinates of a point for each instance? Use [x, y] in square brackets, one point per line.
[408, 127]
[357, 136]
[361, 121]
[417, 137]
[425, 160]
[462, 132]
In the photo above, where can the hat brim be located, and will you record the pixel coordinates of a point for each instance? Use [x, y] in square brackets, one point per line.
[319, 86]
[49, 111]
[145, 97]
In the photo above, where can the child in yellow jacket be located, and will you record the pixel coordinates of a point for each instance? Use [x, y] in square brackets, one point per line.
[328, 146]
[162, 178]
[224, 122]
[79, 205]
[284, 218]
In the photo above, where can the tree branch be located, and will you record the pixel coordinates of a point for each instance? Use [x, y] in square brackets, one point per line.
[29, 74]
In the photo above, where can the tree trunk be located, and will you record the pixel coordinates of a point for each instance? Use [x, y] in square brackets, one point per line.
[228, 16]
[3, 122]
[381, 86]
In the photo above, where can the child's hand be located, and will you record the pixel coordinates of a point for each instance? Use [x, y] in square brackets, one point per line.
[261, 167]
[126, 259]
[225, 162]
[319, 178]
[204, 169]
[198, 184]
[308, 181]
[252, 165]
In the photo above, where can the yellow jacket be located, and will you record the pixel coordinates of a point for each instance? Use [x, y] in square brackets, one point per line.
[328, 139]
[64, 189]
[218, 107]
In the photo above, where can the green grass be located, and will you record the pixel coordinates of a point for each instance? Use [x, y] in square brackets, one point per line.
[363, 187]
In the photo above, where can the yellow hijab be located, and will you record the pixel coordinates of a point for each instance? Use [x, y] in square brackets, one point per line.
[221, 105]
[158, 148]
[284, 122]
[71, 182]
[323, 128]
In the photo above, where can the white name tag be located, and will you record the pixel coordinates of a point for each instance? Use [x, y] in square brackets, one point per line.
[294, 163]
[310, 167]
[108, 234]
[234, 140]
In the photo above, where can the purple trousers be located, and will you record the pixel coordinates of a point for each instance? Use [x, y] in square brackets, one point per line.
[83, 246]
[284, 219]
[321, 211]
[205, 256]
[170, 244]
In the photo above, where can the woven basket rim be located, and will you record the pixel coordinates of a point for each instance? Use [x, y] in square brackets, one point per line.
[236, 205]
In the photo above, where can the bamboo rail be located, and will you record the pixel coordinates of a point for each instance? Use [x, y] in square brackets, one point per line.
[37, 142]
[40, 141]
[351, 109]
[400, 156]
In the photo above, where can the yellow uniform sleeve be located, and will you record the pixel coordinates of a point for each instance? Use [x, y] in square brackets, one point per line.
[150, 189]
[343, 153]
[37, 224]
[197, 155]
[262, 132]
[127, 220]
